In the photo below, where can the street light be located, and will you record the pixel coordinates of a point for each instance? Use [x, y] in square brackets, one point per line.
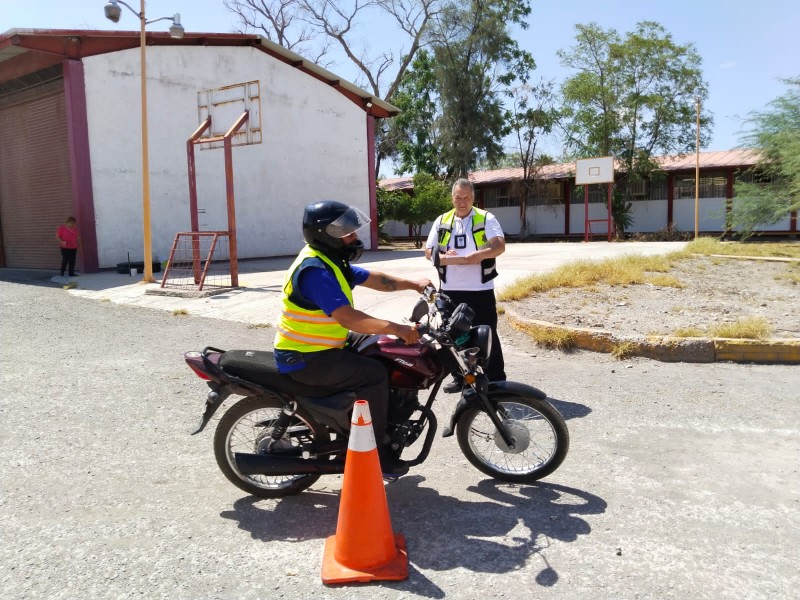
[697, 170]
[113, 13]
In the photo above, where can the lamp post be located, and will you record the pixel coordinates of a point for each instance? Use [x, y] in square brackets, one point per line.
[697, 169]
[113, 12]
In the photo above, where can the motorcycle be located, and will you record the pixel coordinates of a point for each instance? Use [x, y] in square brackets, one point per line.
[284, 435]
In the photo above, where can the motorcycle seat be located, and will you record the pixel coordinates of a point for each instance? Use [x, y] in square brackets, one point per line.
[258, 366]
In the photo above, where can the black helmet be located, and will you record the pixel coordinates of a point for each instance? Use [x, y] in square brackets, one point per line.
[325, 223]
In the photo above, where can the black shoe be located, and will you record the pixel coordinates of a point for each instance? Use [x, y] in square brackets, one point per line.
[453, 387]
[391, 466]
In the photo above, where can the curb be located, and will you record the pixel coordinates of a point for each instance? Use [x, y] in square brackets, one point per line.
[671, 349]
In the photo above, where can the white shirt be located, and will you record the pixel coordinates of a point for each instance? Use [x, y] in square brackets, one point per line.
[464, 278]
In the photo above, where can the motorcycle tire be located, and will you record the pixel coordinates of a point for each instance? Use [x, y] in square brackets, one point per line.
[244, 428]
[541, 439]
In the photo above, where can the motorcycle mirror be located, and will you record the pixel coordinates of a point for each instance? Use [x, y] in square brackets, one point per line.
[420, 310]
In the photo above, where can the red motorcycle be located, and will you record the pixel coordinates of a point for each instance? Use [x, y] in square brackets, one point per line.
[284, 435]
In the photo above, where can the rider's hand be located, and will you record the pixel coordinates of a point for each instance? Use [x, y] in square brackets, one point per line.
[422, 284]
[408, 333]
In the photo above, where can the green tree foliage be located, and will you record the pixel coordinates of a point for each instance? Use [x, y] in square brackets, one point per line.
[452, 96]
[775, 193]
[430, 199]
[413, 133]
[475, 58]
[632, 97]
[531, 116]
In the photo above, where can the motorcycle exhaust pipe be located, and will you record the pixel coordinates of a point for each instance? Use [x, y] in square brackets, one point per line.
[259, 464]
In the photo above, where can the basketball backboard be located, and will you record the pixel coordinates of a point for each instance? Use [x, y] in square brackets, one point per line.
[594, 170]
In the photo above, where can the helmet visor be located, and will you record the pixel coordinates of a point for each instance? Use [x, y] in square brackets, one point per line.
[350, 221]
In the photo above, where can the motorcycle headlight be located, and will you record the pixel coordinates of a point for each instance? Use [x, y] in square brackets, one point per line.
[480, 337]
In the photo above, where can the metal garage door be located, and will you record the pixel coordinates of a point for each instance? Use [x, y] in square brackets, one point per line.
[35, 184]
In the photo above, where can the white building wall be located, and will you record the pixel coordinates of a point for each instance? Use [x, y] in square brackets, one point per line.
[710, 214]
[546, 220]
[577, 218]
[649, 216]
[314, 147]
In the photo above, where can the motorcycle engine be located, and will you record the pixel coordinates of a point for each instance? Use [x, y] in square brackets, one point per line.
[402, 404]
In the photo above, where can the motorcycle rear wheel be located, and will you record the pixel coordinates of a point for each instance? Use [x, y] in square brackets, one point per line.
[244, 428]
[541, 436]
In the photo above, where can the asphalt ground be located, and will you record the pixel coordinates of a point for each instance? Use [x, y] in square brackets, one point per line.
[681, 481]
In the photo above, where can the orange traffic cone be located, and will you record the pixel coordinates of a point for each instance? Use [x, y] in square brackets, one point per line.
[364, 548]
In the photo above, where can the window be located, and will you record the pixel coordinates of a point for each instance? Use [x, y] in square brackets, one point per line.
[712, 185]
[499, 197]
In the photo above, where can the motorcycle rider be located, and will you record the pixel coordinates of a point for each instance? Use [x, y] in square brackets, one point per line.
[316, 328]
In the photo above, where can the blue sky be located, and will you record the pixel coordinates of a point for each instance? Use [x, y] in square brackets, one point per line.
[745, 47]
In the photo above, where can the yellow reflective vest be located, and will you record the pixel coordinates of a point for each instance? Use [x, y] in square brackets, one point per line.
[304, 329]
[489, 265]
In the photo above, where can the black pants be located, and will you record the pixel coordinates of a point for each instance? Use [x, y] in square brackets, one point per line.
[485, 306]
[343, 370]
[68, 256]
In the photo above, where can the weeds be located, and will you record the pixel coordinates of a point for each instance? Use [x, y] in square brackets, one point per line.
[747, 328]
[70, 285]
[622, 350]
[688, 332]
[259, 326]
[556, 338]
[707, 245]
[180, 312]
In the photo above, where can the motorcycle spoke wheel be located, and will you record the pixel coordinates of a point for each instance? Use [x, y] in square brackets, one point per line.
[541, 440]
[247, 428]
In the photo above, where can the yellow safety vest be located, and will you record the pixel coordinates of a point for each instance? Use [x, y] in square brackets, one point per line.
[489, 265]
[304, 329]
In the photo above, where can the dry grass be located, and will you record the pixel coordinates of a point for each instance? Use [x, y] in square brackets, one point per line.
[556, 338]
[765, 249]
[259, 326]
[665, 281]
[622, 350]
[688, 332]
[747, 328]
[792, 274]
[180, 312]
[70, 285]
[626, 270]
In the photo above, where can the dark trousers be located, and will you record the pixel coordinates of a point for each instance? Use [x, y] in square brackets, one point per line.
[343, 370]
[485, 306]
[68, 256]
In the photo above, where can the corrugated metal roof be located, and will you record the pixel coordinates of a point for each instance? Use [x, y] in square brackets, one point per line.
[75, 44]
[708, 160]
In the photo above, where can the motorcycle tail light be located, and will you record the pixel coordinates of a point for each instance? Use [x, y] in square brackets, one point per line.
[201, 374]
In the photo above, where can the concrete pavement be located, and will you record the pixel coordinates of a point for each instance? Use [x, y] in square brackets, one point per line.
[257, 300]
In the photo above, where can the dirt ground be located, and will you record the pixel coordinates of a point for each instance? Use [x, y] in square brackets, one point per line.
[717, 291]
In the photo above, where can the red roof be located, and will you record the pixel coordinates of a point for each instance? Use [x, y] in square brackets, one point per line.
[708, 160]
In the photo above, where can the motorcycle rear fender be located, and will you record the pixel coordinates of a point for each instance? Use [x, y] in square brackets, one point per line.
[497, 390]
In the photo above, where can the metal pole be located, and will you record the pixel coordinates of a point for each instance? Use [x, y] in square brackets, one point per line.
[148, 256]
[697, 171]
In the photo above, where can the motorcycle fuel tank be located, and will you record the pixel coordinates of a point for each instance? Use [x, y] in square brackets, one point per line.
[410, 366]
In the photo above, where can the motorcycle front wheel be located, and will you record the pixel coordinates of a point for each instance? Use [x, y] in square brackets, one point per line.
[247, 427]
[541, 439]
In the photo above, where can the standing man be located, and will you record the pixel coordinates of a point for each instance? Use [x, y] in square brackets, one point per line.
[315, 333]
[468, 240]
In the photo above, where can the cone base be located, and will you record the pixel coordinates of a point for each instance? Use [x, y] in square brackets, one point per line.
[394, 570]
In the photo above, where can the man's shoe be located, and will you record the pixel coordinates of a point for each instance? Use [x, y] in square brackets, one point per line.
[392, 467]
[453, 387]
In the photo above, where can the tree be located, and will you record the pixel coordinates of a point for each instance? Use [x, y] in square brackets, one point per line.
[431, 198]
[315, 28]
[775, 188]
[412, 136]
[532, 114]
[632, 97]
[475, 57]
